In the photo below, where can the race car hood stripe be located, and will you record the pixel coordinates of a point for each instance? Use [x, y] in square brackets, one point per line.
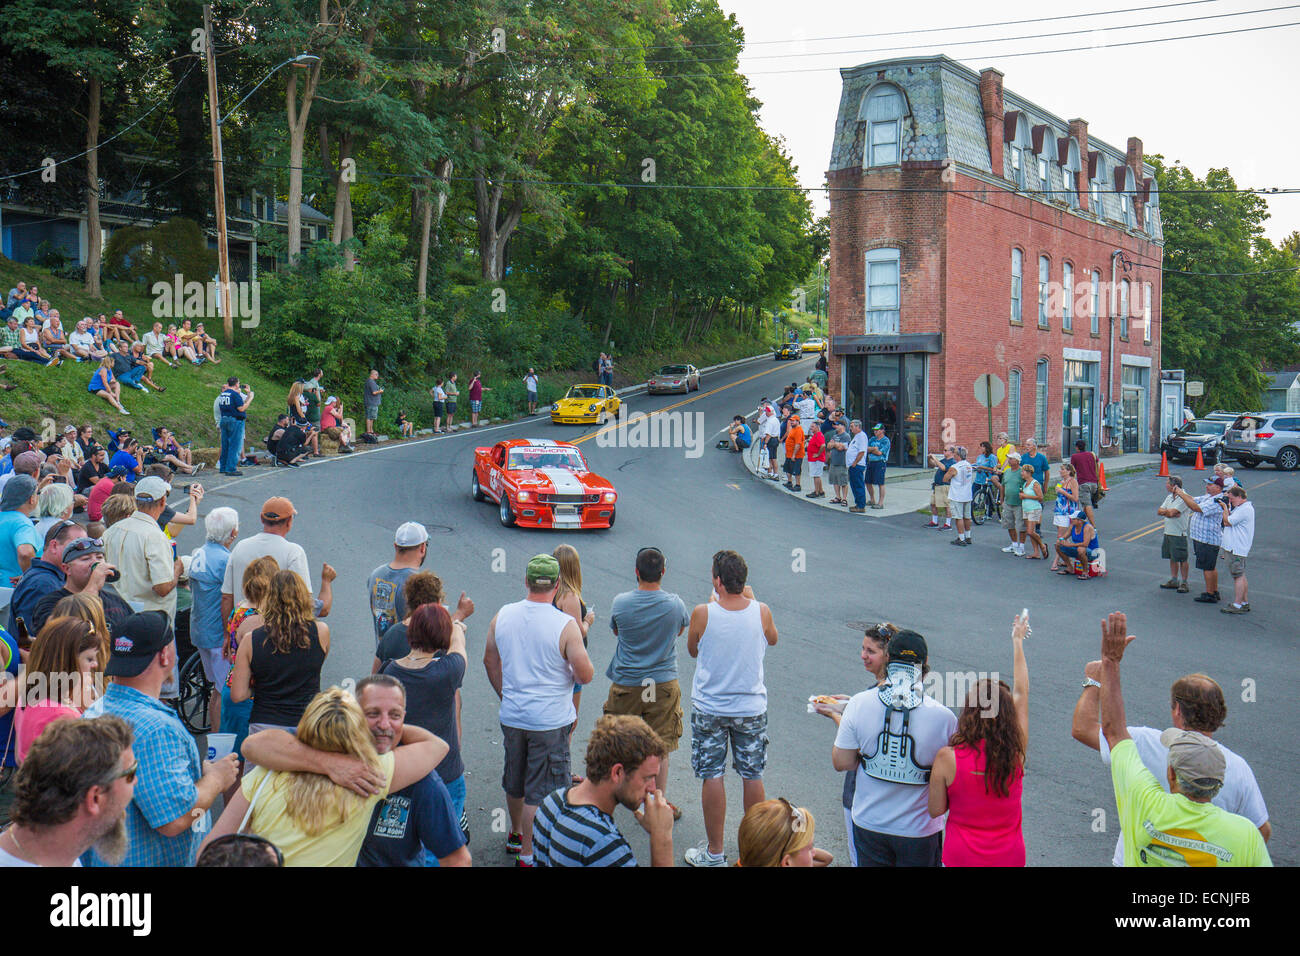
[564, 481]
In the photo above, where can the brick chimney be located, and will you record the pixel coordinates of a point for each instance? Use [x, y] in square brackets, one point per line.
[1079, 132]
[1134, 162]
[994, 110]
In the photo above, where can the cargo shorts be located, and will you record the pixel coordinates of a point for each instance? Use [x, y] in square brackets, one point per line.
[710, 736]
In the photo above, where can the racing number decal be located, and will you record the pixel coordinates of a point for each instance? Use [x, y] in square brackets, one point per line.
[494, 481]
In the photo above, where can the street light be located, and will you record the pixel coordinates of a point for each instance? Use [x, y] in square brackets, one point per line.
[219, 175]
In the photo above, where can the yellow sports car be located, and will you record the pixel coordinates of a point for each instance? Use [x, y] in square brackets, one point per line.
[584, 404]
[813, 345]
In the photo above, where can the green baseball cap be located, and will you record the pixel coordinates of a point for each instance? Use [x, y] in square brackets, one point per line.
[543, 570]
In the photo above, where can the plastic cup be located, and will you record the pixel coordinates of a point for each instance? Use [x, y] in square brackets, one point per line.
[219, 745]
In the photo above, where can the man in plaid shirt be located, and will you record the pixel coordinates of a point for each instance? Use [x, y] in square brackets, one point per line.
[168, 812]
[1207, 534]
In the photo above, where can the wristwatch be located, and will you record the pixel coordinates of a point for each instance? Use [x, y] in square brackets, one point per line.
[1089, 682]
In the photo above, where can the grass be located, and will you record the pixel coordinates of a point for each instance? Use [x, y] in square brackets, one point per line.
[51, 398]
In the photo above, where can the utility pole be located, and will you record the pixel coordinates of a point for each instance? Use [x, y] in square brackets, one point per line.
[219, 175]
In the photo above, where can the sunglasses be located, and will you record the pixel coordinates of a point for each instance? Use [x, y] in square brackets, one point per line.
[128, 774]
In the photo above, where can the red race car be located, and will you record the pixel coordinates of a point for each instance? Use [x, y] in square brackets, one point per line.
[540, 483]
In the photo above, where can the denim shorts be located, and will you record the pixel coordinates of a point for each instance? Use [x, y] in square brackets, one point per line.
[710, 736]
[875, 472]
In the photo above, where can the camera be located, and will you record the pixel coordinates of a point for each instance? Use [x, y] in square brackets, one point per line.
[1223, 501]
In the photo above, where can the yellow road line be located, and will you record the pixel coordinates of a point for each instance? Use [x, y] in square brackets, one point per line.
[1144, 533]
[1138, 532]
[667, 408]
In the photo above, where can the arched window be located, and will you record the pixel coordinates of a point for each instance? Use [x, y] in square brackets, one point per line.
[1098, 170]
[1071, 168]
[1019, 145]
[1017, 282]
[1067, 298]
[1124, 185]
[883, 110]
[1040, 402]
[1013, 405]
[1044, 277]
[1151, 208]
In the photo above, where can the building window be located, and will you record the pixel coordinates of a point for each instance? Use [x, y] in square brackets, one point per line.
[1040, 402]
[883, 112]
[1123, 310]
[1017, 278]
[1071, 174]
[1044, 275]
[883, 292]
[1067, 298]
[1126, 206]
[1094, 308]
[1013, 405]
[1043, 183]
[1094, 190]
[1146, 313]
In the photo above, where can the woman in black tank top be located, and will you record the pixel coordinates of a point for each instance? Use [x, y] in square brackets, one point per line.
[282, 659]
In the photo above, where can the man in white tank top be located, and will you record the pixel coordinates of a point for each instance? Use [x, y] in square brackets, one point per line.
[533, 657]
[728, 697]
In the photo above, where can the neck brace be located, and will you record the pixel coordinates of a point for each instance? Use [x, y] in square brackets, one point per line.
[895, 758]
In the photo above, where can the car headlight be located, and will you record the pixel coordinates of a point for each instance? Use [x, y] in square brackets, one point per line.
[523, 496]
[609, 497]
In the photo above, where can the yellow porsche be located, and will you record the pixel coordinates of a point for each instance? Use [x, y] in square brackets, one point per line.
[585, 404]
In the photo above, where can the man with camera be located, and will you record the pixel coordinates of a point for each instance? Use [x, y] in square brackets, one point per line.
[1207, 533]
[232, 407]
[1238, 536]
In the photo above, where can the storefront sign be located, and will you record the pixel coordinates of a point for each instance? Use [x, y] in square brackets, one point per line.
[876, 344]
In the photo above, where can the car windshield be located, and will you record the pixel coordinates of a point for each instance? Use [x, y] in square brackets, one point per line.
[584, 391]
[523, 459]
[1248, 423]
[673, 370]
[1203, 427]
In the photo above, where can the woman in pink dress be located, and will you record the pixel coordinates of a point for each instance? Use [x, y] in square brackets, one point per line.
[977, 779]
[59, 680]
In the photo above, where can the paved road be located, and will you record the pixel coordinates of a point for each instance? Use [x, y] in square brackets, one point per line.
[821, 573]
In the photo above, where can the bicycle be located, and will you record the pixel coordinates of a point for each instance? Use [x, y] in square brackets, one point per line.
[985, 503]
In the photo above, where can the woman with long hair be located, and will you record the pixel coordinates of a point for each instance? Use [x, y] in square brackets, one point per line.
[875, 658]
[777, 833]
[432, 673]
[103, 384]
[312, 820]
[1031, 500]
[568, 598]
[59, 680]
[282, 658]
[977, 779]
[90, 609]
[244, 619]
[1067, 503]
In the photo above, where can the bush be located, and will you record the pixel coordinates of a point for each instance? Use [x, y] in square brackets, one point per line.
[149, 254]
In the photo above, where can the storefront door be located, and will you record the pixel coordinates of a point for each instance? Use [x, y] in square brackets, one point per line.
[890, 390]
[1077, 422]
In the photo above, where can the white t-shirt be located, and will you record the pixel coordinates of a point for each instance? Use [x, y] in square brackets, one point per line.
[290, 557]
[1240, 793]
[439, 393]
[530, 383]
[82, 340]
[1177, 527]
[153, 342]
[960, 487]
[896, 809]
[858, 443]
[1239, 533]
[729, 672]
[768, 426]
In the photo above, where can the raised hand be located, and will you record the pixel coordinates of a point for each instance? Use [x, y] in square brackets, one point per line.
[1115, 637]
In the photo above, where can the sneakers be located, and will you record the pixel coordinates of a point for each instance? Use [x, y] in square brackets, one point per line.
[1236, 609]
[857, 511]
[514, 843]
[1205, 597]
[1009, 549]
[960, 542]
[947, 527]
[1170, 584]
[700, 856]
[519, 862]
[1183, 588]
[931, 524]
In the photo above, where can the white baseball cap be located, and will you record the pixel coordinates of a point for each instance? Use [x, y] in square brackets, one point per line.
[411, 535]
[152, 488]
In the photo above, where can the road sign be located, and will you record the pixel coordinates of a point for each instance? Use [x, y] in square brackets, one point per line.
[990, 390]
[1195, 389]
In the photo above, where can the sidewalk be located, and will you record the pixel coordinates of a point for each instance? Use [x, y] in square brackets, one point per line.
[907, 490]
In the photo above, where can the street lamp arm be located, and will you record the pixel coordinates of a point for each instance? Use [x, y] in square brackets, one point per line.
[303, 59]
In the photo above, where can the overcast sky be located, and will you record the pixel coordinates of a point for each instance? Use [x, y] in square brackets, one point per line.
[1208, 103]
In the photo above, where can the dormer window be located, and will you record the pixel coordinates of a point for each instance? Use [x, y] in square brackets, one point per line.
[1124, 185]
[1068, 150]
[1151, 208]
[1019, 146]
[1098, 171]
[883, 110]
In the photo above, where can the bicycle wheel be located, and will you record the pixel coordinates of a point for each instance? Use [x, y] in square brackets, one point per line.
[979, 508]
[194, 691]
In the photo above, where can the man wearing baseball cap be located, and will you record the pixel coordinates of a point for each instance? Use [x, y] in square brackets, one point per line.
[890, 735]
[139, 549]
[877, 456]
[85, 572]
[1206, 531]
[387, 601]
[794, 454]
[277, 521]
[533, 657]
[1182, 827]
[173, 790]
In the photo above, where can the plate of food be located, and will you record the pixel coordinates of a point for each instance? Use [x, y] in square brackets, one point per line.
[835, 702]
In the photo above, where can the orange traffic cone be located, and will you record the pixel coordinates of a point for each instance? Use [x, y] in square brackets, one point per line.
[1101, 476]
[1164, 466]
[1200, 465]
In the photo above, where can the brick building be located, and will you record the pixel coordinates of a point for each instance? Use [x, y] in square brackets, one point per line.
[960, 215]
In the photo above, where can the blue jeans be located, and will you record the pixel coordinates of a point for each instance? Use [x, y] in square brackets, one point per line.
[232, 443]
[457, 790]
[858, 482]
[132, 377]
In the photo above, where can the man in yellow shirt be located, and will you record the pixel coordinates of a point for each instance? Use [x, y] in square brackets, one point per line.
[1181, 827]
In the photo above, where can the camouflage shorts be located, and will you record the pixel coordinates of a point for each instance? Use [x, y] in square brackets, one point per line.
[710, 736]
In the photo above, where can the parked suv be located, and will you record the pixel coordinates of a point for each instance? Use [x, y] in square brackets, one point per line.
[1203, 433]
[1265, 436]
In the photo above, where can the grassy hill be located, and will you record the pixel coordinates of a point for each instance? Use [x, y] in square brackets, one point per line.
[59, 395]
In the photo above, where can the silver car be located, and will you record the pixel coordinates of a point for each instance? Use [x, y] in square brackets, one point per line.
[1264, 436]
[674, 378]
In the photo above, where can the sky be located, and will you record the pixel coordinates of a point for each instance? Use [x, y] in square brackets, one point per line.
[1213, 102]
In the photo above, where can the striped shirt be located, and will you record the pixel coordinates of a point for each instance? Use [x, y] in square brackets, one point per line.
[1207, 527]
[568, 835]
